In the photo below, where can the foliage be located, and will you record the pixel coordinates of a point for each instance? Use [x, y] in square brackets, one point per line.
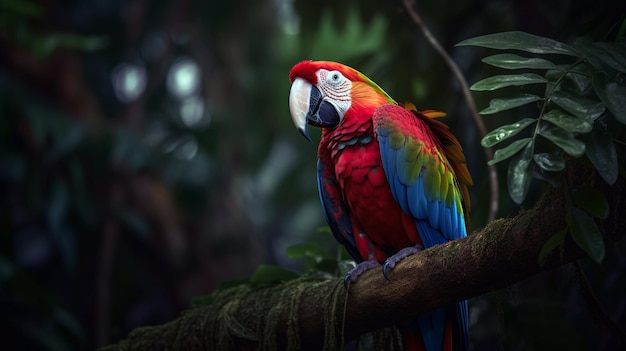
[580, 112]
[316, 261]
[17, 18]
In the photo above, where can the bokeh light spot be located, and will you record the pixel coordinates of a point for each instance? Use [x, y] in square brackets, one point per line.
[183, 78]
[192, 111]
[129, 81]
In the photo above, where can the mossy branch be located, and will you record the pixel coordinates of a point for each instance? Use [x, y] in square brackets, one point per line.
[318, 313]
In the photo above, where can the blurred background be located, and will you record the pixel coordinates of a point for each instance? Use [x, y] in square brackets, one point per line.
[147, 155]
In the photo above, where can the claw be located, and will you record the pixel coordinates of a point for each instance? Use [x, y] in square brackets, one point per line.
[391, 262]
[386, 265]
[360, 268]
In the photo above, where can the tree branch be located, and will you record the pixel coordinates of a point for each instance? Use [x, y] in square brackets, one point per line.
[309, 313]
[469, 100]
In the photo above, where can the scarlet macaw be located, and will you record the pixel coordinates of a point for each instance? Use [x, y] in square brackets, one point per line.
[392, 181]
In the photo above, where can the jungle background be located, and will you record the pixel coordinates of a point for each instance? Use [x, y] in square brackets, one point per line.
[147, 156]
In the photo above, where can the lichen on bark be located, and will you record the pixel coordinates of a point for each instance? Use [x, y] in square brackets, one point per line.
[260, 318]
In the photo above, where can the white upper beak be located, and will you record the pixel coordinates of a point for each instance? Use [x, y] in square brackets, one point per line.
[299, 104]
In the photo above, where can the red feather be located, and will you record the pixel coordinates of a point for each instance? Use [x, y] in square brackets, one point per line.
[307, 70]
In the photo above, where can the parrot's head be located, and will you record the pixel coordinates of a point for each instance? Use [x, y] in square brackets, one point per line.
[326, 94]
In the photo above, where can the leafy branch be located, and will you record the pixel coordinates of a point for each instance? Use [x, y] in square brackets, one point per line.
[582, 113]
[467, 96]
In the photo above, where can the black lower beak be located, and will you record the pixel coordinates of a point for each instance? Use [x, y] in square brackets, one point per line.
[321, 113]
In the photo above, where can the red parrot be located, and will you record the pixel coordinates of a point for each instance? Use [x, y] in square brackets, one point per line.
[392, 181]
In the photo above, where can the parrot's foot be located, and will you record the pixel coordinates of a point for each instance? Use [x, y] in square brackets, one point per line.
[391, 262]
[360, 268]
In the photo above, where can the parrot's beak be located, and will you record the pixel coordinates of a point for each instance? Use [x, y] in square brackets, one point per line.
[299, 97]
[308, 106]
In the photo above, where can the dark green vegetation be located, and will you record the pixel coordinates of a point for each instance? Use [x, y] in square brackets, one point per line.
[581, 112]
[129, 186]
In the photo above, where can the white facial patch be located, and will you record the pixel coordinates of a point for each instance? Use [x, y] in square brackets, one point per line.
[336, 89]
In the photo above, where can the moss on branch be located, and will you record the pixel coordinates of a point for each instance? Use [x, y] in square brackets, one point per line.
[317, 313]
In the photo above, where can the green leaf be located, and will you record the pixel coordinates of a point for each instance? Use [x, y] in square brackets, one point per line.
[203, 300]
[520, 41]
[617, 52]
[505, 132]
[621, 31]
[43, 45]
[550, 177]
[549, 162]
[601, 55]
[328, 266]
[600, 150]
[613, 94]
[313, 255]
[512, 61]
[270, 274]
[307, 250]
[506, 152]
[573, 79]
[324, 229]
[567, 122]
[592, 201]
[582, 108]
[565, 140]
[227, 284]
[21, 8]
[586, 234]
[80, 42]
[501, 104]
[520, 173]
[552, 243]
[501, 81]
[577, 83]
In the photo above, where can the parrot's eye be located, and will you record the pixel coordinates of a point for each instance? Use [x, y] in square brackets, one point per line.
[334, 77]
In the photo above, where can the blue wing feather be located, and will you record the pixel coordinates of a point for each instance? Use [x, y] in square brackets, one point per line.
[436, 221]
[414, 196]
[339, 225]
[429, 327]
[461, 331]
[429, 235]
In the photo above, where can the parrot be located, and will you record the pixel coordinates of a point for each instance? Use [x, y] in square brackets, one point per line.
[392, 181]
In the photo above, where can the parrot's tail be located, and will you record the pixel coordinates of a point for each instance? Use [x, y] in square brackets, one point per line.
[412, 339]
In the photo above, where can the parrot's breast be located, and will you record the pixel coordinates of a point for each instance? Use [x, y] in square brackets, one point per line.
[360, 173]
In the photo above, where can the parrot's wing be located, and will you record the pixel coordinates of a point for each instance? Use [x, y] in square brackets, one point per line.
[421, 178]
[413, 149]
[336, 212]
